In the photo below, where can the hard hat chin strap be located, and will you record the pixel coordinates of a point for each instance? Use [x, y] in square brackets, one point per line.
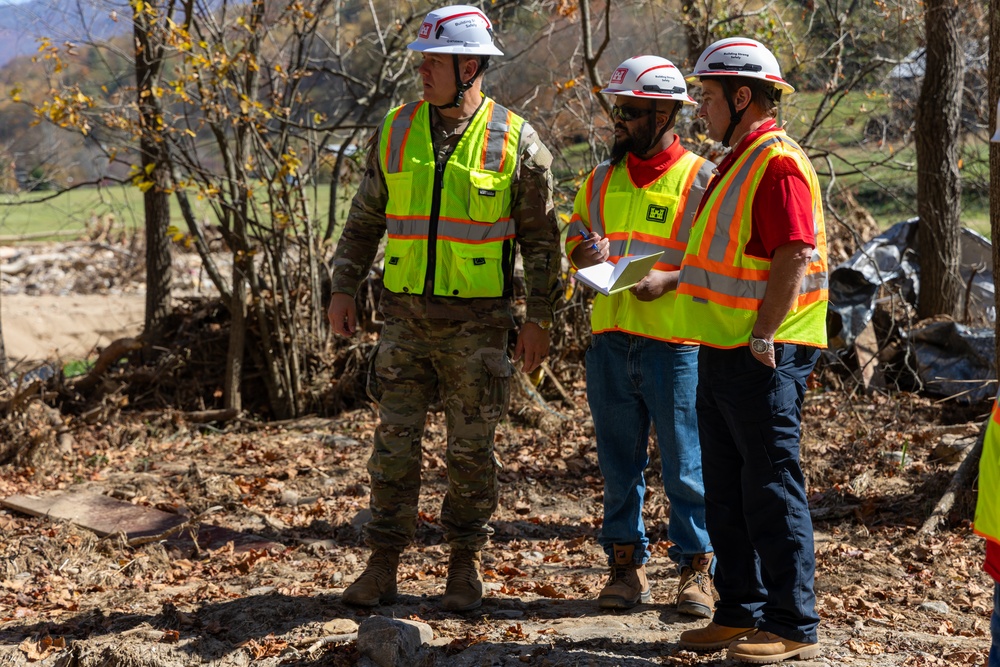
[669, 124]
[734, 116]
[461, 86]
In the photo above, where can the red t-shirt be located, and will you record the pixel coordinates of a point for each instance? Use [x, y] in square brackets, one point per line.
[782, 205]
[643, 172]
[992, 564]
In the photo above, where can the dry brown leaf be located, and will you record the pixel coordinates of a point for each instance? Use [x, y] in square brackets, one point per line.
[41, 648]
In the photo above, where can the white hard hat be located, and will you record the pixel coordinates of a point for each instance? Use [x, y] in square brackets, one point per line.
[458, 29]
[739, 56]
[648, 77]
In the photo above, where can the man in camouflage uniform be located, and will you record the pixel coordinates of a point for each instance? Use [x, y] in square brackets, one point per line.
[458, 183]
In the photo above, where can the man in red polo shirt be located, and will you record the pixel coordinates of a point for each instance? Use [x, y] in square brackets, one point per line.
[753, 291]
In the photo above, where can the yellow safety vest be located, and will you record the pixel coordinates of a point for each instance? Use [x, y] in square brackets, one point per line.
[721, 288]
[450, 225]
[639, 221]
[987, 521]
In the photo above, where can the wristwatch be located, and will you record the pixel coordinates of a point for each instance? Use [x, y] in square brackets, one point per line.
[544, 325]
[760, 345]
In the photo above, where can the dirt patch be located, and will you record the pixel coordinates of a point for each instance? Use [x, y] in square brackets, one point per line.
[75, 326]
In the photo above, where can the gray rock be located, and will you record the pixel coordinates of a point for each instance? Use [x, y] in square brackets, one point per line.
[391, 642]
[936, 606]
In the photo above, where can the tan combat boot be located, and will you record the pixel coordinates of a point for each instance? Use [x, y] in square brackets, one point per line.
[464, 590]
[628, 585]
[377, 583]
[695, 596]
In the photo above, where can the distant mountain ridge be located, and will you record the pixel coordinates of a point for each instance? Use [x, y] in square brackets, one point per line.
[22, 24]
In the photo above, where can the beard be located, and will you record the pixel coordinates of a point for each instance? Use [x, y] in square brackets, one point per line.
[637, 142]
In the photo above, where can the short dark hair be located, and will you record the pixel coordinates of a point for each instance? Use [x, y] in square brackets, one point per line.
[482, 62]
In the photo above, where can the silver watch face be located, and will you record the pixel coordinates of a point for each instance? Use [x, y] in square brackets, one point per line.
[759, 345]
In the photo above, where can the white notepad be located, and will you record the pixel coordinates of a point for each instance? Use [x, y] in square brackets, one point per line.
[609, 278]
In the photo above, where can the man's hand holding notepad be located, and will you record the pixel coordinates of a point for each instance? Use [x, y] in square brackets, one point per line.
[609, 278]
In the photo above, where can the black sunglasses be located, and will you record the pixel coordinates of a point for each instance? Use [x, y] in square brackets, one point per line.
[628, 114]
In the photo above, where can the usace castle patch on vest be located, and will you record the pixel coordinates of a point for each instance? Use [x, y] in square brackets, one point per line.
[657, 213]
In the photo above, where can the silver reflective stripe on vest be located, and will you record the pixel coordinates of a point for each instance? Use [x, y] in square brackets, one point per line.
[720, 284]
[397, 136]
[461, 231]
[406, 226]
[601, 173]
[464, 231]
[744, 288]
[617, 247]
[698, 187]
[671, 256]
[728, 216]
[814, 282]
[496, 137]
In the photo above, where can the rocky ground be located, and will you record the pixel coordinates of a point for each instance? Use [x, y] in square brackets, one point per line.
[293, 497]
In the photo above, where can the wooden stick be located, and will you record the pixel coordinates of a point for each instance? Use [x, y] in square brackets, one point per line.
[558, 385]
[112, 353]
[961, 479]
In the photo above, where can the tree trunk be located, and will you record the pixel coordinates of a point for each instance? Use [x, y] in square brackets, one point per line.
[695, 31]
[994, 96]
[155, 166]
[232, 395]
[938, 184]
[3, 350]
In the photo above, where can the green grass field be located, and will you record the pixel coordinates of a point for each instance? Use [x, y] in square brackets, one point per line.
[39, 216]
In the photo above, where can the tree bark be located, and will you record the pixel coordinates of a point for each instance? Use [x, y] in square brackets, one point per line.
[939, 187]
[155, 166]
[3, 352]
[994, 96]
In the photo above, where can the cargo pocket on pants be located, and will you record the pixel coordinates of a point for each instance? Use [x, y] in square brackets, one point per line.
[496, 393]
[373, 386]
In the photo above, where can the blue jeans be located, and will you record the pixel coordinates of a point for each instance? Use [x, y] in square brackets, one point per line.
[995, 628]
[749, 416]
[632, 381]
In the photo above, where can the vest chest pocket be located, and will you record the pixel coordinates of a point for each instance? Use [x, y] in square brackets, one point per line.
[489, 195]
[470, 270]
[400, 187]
[657, 213]
[405, 265]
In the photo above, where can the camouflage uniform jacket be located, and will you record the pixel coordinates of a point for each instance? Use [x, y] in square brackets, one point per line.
[533, 212]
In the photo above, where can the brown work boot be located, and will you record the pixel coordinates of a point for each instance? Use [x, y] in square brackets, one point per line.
[464, 590]
[377, 583]
[694, 591]
[765, 647]
[713, 637]
[628, 585]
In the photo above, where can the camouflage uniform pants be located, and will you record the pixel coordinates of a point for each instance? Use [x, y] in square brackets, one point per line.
[466, 365]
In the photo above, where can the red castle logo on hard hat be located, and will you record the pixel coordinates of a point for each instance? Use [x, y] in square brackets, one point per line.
[425, 30]
[619, 75]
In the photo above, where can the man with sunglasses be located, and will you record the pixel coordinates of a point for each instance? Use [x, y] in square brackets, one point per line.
[753, 291]
[642, 201]
[458, 184]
